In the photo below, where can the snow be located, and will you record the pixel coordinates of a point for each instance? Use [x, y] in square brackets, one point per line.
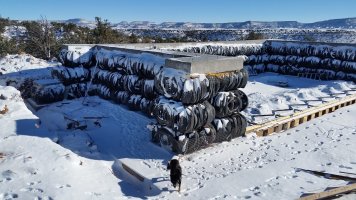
[14, 32]
[43, 160]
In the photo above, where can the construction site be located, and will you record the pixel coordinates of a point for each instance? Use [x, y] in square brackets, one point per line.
[189, 99]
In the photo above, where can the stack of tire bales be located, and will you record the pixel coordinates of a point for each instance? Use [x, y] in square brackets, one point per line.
[330, 62]
[326, 60]
[122, 77]
[192, 111]
[197, 110]
[256, 54]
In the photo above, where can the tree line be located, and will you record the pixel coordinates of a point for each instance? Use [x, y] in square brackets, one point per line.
[43, 39]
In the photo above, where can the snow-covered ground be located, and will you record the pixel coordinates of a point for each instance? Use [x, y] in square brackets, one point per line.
[41, 159]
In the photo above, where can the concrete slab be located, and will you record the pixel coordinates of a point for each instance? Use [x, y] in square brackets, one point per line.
[205, 64]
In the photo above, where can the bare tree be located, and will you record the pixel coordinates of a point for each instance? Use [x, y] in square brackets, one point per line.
[41, 38]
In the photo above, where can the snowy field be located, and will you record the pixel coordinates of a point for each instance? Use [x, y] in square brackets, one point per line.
[41, 159]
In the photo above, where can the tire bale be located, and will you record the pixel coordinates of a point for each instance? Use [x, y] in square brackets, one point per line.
[115, 81]
[244, 80]
[134, 102]
[48, 94]
[213, 86]
[209, 133]
[191, 143]
[227, 103]
[243, 100]
[195, 90]
[230, 127]
[132, 84]
[170, 82]
[77, 90]
[182, 118]
[102, 59]
[121, 97]
[70, 75]
[148, 89]
[166, 138]
[75, 58]
[101, 90]
[186, 120]
[165, 111]
[223, 129]
[150, 68]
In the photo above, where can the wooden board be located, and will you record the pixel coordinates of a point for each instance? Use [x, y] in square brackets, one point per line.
[331, 193]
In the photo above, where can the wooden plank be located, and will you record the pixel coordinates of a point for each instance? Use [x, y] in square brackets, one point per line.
[331, 193]
[133, 172]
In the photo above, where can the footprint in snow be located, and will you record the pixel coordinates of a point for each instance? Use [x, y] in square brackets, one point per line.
[8, 196]
[345, 167]
[34, 190]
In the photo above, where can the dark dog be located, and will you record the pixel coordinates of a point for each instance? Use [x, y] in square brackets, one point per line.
[175, 173]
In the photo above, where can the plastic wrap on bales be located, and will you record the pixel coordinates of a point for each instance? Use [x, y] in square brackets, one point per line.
[195, 90]
[228, 103]
[142, 65]
[148, 89]
[132, 83]
[176, 85]
[347, 53]
[48, 94]
[184, 143]
[101, 91]
[134, 102]
[170, 82]
[113, 80]
[74, 58]
[229, 80]
[71, 75]
[183, 118]
[77, 90]
[121, 97]
[146, 106]
[230, 127]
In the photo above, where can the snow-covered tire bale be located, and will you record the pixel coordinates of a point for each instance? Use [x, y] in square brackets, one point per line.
[77, 90]
[227, 103]
[70, 75]
[230, 127]
[183, 118]
[48, 94]
[74, 59]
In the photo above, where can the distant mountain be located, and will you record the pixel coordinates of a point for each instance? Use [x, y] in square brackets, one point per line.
[79, 22]
[346, 23]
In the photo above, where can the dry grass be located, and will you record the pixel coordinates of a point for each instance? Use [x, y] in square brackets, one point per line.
[4, 110]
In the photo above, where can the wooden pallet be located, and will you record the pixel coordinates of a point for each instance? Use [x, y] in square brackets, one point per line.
[331, 193]
[287, 122]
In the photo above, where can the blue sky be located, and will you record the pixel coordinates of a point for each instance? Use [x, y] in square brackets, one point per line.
[180, 10]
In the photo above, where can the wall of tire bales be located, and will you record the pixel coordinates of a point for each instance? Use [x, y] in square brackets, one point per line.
[192, 111]
[329, 60]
